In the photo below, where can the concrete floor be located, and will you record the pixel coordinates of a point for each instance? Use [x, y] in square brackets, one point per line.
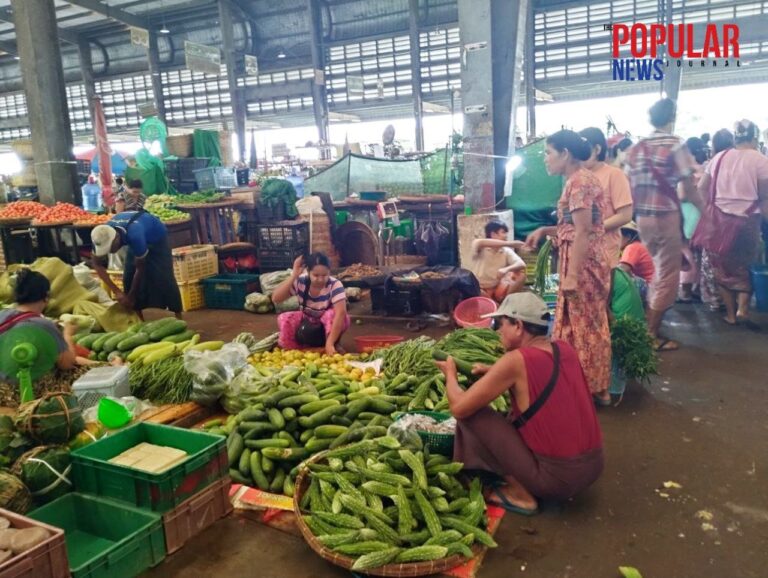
[701, 423]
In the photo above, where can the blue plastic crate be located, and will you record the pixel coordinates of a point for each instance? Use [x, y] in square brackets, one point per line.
[229, 291]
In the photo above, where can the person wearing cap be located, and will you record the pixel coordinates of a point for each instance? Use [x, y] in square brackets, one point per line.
[499, 270]
[635, 257]
[148, 278]
[550, 444]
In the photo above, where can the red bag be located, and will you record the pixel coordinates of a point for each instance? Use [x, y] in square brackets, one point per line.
[718, 231]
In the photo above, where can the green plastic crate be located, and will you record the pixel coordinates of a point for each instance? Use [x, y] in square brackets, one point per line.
[207, 462]
[229, 290]
[438, 443]
[105, 539]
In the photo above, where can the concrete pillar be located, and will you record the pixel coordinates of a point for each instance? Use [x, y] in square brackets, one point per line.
[153, 56]
[236, 93]
[673, 75]
[319, 93]
[418, 112]
[86, 69]
[44, 88]
[529, 60]
[492, 34]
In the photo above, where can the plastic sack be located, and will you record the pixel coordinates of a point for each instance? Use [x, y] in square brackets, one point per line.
[408, 438]
[258, 303]
[214, 370]
[353, 294]
[270, 281]
[134, 405]
[290, 304]
[246, 385]
[84, 276]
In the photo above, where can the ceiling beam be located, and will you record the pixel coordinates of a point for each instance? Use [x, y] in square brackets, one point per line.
[111, 12]
[6, 15]
[244, 7]
[9, 47]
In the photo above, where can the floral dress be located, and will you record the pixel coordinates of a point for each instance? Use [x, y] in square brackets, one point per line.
[582, 319]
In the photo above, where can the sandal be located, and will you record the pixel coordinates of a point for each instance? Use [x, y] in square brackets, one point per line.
[748, 323]
[663, 344]
[509, 506]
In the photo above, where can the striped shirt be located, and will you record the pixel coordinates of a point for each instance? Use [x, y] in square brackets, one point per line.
[316, 305]
[668, 154]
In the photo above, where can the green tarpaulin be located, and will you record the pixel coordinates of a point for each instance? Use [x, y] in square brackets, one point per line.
[205, 144]
[534, 192]
[153, 179]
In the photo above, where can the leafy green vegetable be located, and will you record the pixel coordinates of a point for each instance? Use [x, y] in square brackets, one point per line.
[632, 348]
[629, 572]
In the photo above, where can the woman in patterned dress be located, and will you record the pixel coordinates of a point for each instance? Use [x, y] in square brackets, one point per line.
[581, 318]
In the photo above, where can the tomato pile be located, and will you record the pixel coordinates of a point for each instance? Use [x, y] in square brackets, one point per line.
[92, 220]
[61, 213]
[22, 209]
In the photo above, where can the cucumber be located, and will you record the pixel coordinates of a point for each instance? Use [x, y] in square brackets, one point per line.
[134, 341]
[276, 418]
[99, 343]
[330, 431]
[148, 328]
[315, 445]
[257, 473]
[322, 416]
[111, 343]
[315, 406]
[172, 328]
[270, 443]
[179, 337]
[289, 413]
[235, 446]
[238, 478]
[89, 340]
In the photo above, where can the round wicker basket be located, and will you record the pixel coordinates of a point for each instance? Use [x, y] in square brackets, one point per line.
[397, 570]
[179, 145]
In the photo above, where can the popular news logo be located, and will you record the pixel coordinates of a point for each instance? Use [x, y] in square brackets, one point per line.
[721, 41]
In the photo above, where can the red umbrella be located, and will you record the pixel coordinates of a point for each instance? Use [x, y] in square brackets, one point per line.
[104, 152]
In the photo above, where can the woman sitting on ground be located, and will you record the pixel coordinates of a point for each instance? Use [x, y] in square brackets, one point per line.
[31, 294]
[322, 317]
[550, 445]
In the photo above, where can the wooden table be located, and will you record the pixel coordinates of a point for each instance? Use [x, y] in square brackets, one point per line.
[213, 222]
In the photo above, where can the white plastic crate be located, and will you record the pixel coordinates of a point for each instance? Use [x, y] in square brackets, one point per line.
[101, 382]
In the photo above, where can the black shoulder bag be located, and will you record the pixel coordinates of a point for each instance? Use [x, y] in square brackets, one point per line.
[309, 332]
[526, 416]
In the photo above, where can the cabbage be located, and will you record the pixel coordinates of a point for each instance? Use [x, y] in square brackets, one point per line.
[81, 321]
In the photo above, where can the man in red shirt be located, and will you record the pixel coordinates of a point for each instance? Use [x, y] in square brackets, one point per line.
[550, 445]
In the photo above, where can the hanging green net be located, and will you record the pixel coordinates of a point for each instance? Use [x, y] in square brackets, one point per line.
[428, 175]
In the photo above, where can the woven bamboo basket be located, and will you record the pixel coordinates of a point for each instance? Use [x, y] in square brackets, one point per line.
[23, 148]
[180, 145]
[411, 569]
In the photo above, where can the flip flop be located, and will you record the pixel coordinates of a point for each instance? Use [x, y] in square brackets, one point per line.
[600, 402]
[748, 323]
[666, 345]
[509, 506]
[731, 323]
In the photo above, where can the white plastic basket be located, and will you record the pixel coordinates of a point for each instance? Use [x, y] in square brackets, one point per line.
[101, 382]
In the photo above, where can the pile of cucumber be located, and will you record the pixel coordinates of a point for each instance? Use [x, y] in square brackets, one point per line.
[267, 439]
[105, 346]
